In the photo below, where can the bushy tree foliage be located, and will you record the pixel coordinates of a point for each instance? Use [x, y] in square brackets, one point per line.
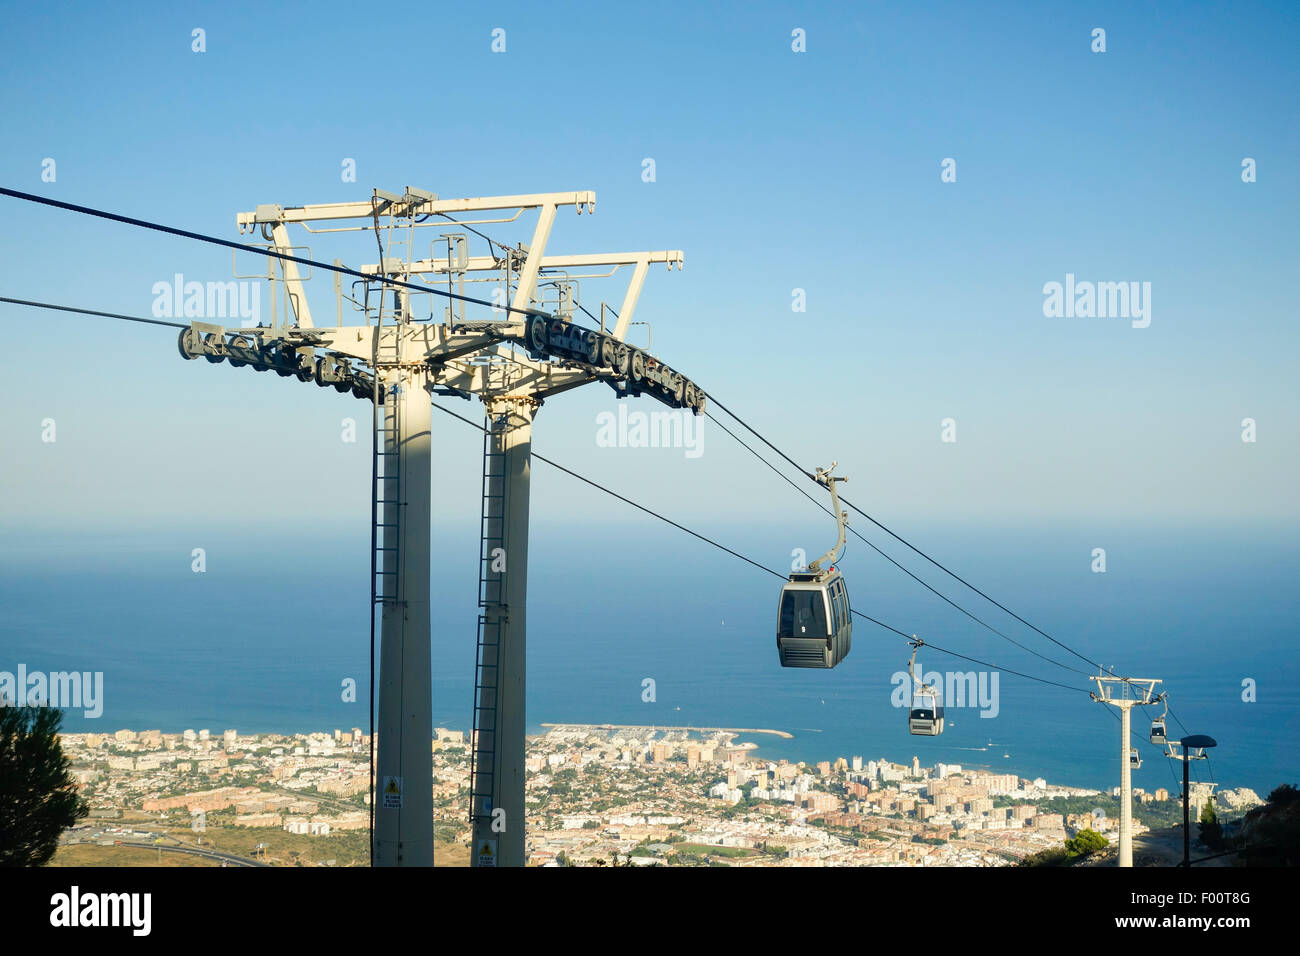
[38, 797]
[1211, 832]
[1086, 842]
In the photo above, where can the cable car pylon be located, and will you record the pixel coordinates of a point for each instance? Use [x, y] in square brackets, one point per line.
[1115, 691]
[512, 358]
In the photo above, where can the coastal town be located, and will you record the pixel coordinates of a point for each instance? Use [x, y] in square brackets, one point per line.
[596, 795]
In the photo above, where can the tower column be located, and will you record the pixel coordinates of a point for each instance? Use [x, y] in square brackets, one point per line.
[404, 762]
[500, 715]
[1125, 788]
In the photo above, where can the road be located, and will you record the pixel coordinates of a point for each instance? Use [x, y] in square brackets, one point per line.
[195, 851]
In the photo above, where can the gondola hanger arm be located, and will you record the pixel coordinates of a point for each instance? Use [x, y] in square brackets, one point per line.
[824, 478]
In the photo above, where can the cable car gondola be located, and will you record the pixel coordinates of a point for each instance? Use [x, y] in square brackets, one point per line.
[925, 716]
[814, 625]
[1134, 760]
[1159, 735]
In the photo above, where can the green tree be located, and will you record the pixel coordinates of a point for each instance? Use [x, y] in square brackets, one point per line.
[1085, 843]
[1210, 830]
[38, 797]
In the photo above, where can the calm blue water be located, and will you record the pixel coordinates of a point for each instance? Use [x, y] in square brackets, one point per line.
[262, 640]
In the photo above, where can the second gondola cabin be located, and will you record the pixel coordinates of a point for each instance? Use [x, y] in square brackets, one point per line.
[814, 620]
[1158, 733]
[925, 716]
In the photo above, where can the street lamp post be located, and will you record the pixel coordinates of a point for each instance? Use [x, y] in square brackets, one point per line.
[1197, 743]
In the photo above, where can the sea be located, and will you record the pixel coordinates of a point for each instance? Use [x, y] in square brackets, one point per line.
[630, 622]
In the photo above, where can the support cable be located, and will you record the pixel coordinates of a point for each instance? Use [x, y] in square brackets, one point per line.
[257, 250]
[857, 534]
[901, 539]
[751, 561]
[106, 315]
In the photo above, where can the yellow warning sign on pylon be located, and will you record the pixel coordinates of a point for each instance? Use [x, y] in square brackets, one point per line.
[487, 853]
[392, 793]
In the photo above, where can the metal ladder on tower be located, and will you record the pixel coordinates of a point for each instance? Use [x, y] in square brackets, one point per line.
[385, 471]
[490, 622]
[386, 491]
[385, 522]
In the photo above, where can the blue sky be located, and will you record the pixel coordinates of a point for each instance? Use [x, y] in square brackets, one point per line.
[775, 170]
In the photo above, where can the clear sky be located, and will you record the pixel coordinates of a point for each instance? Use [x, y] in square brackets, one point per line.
[775, 170]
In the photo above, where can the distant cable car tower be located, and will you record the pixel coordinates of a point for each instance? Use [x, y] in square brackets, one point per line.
[1125, 693]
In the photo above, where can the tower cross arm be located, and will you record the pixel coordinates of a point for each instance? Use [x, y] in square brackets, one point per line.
[489, 263]
[584, 199]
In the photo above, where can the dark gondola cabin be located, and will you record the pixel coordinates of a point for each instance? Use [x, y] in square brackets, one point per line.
[814, 620]
[814, 623]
